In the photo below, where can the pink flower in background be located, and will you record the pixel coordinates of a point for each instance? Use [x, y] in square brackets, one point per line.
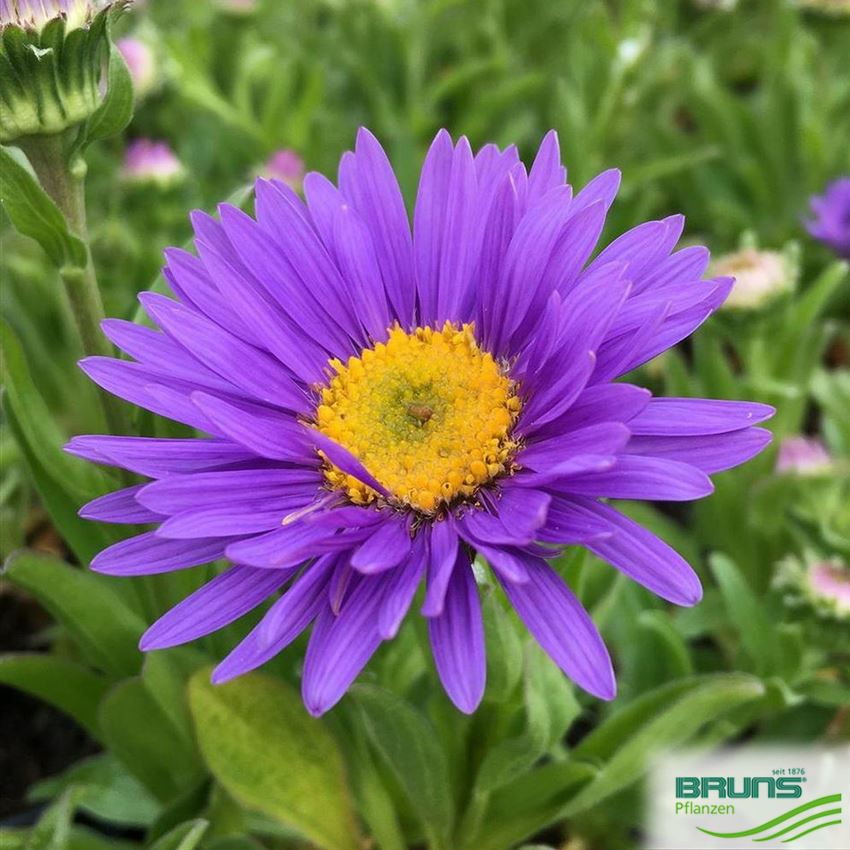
[287, 166]
[149, 161]
[140, 60]
[803, 456]
[831, 581]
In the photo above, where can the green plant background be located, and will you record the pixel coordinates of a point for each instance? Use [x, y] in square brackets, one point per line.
[733, 117]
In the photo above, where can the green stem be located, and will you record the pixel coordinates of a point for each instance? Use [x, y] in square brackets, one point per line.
[64, 182]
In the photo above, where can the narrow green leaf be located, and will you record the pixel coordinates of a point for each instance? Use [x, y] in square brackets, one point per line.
[186, 836]
[82, 481]
[106, 630]
[673, 726]
[35, 215]
[84, 538]
[409, 745]
[237, 842]
[747, 614]
[64, 684]
[53, 830]
[136, 731]
[114, 114]
[504, 651]
[109, 792]
[166, 674]
[269, 754]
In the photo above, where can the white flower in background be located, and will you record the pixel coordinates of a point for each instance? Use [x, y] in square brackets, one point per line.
[760, 277]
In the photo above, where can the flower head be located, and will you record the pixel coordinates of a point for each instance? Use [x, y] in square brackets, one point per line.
[821, 589]
[51, 60]
[760, 277]
[285, 165]
[34, 15]
[383, 404]
[831, 217]
[803, 456]
[141, 63]
[149, 161]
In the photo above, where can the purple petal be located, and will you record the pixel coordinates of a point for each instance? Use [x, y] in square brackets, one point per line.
[444, 554]
[457, 642]
[200, 490]
[293, 611]
[710, 452]
[341, 645]
[119, 507]
[640, 554]
[368, 182]
[680, 417]
[637, 477]
[386, 547]
[400, 592]
[266, 432]
[244, 366]
[157, 457]
[306, 598]
[563, 628]
[215, 605]
[147, 554]
[340, 457]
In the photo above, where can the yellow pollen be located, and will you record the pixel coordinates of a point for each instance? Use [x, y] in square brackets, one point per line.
[428, 413]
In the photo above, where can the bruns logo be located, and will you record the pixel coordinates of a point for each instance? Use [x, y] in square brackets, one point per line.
[736, 788]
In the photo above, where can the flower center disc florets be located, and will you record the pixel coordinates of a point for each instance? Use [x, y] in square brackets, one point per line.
[428, 414]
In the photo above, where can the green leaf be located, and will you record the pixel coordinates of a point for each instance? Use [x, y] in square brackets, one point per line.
[674, 725]
[237, 842]
[186, 836]
[84, 538]
[504, 651]
[109, 792]
[166, 674]
[64, 684]
[114, 114]
[528, 804]
[550, 703]
[141, 736]
[53, 830]
[105, 629]
[80, 480]
[269, 754]
[747, 613]
[35, 215]
[409, 745]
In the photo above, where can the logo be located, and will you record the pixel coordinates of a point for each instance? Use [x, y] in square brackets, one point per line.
[744, 789]
[750, 797]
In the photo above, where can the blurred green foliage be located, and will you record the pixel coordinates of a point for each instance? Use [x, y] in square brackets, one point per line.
[732, 117]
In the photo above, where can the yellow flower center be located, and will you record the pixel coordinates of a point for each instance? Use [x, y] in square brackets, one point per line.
[428, 414]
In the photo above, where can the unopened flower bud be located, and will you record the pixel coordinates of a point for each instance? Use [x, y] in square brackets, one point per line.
[51, 62]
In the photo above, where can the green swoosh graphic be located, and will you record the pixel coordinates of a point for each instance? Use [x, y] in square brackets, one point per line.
[831, 798]
[813, 829]
[800, 823]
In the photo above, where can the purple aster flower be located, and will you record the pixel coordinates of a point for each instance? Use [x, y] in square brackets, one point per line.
[149, 161]
[381, 403]
[831, 217]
